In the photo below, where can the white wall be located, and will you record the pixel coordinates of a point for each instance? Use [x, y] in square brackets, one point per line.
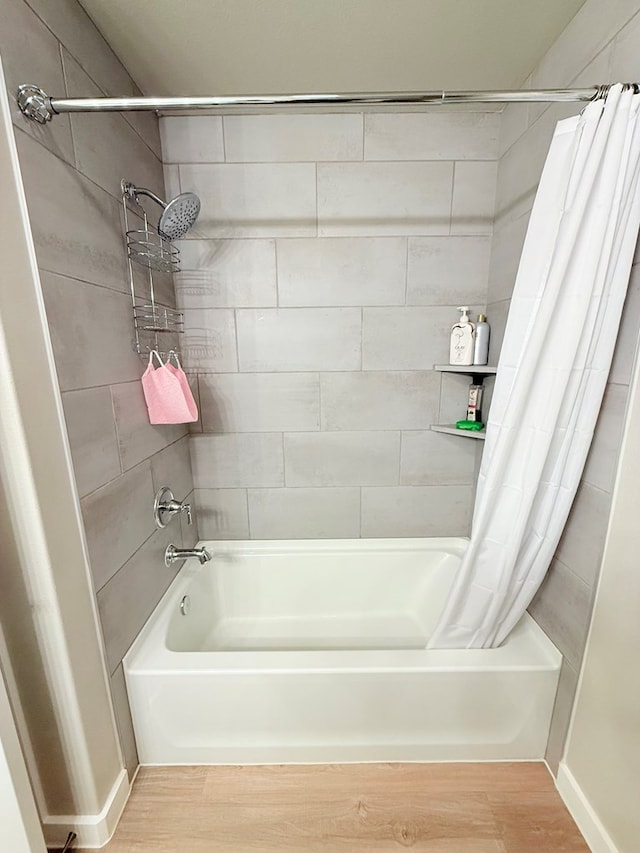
[319, 288]
[600, 774]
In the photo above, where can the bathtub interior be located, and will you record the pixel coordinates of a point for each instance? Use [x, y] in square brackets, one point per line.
[287, 596]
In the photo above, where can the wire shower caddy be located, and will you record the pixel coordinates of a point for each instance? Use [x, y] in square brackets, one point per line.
[146, 247]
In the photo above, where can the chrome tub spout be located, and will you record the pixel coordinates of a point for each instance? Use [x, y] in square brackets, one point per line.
[172, 554]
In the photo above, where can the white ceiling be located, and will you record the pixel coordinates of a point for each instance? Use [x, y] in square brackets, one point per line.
[218, 47]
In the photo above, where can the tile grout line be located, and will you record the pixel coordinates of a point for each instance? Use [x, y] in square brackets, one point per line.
[284, 464]
[237, 343]
[320, 404]
[406, 274]
[65, 81]
[453, 189]
[223, 128]
[246, 497]
[200, 409]
[354, 161]
[277, 269]
[117, 434]
[317, 234]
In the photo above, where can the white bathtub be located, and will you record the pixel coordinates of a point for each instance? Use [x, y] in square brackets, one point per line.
[314, 651]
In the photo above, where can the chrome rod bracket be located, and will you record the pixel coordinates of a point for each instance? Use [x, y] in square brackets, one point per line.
[34, 103]
[128, 189]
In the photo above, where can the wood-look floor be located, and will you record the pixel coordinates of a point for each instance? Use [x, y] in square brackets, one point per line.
[348, 808]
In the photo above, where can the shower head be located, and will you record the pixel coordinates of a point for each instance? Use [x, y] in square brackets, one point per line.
[178, 215]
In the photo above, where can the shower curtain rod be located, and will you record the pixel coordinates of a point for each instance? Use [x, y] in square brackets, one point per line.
[37, 105]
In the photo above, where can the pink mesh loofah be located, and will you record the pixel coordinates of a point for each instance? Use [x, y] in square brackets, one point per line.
[184, 384]
[167, 393]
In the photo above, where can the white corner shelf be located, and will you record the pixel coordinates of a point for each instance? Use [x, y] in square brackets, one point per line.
[451, 429]
[467, 369]
[477, 371]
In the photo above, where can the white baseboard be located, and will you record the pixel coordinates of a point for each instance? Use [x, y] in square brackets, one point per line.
[92, 830]
[582, 812]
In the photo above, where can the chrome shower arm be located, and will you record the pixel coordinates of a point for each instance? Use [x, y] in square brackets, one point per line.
[133, 191]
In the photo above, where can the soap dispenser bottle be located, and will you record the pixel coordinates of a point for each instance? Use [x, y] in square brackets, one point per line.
[461, 350]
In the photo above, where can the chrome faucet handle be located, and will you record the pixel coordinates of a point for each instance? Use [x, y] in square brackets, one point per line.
[174, 506]
[165, 506]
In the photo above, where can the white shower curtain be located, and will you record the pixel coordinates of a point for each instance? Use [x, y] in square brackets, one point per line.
[555, 359]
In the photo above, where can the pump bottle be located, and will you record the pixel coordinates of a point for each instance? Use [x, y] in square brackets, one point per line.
[461, 349]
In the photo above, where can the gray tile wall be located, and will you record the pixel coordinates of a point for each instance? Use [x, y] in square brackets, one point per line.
[319, 288]
[72, 170]
[599, 45]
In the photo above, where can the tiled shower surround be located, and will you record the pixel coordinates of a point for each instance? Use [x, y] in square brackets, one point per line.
[319, 288]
